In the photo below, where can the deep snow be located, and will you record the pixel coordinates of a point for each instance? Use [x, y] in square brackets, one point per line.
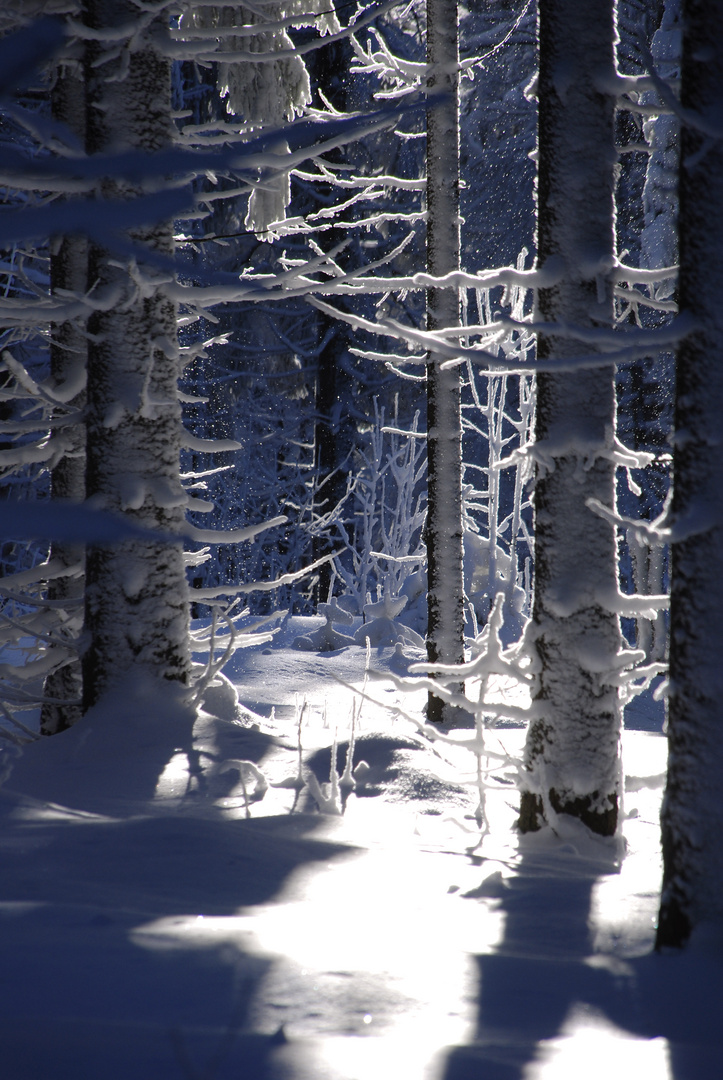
[152, 931]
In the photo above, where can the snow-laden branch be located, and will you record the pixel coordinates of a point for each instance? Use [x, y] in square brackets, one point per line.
[39, 575]
[96, 218]
[474, 61]
[409, 76]
[457, 354]
[232, 536]
[605, 338]
[72, 523]
[208, 446]
[263, 586]
[190, 33]
[251, 288]
[637, 275]
[283, 148]
[651, 533]
[178, 50]
[634, 298]
[326, 176]
[297, 226]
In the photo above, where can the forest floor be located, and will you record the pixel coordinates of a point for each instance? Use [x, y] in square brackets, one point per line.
[158, 923]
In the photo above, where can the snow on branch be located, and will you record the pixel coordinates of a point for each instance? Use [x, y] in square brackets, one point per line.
[406, 76]
[327, 176]
[232, 536]
[304, 139]
[263, 586]
[208, 446]
[636, 275]
[73, 523]
[251, 287]
[473, 61]
[95, 218]
[634, 299]
[178, 51]
[603, 337]
[651, 533]
[458, 354]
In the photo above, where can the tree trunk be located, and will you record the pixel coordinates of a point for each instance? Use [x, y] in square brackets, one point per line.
[330, 482]
[136, 593]
[443, 532]
[327, 72]
[692, 815]
[68, 354]
[572, 752]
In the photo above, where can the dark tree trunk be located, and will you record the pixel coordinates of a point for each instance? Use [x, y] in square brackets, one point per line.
[136, 593]
[572, 752]
[327, 68]
[330, 482]
[68, 355]
[692, 815]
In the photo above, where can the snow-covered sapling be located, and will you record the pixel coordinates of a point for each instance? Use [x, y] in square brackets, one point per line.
[381, 627]
[326, 638]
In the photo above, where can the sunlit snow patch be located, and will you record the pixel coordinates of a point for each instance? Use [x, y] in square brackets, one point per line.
[624, 905]
[590, 1046]
[372, 960]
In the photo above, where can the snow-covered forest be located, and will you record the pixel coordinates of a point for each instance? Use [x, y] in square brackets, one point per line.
[360, 558]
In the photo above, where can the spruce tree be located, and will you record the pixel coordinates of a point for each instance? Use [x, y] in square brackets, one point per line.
[572, 751]
[443, 531]
[136, 593]
[68, 347]
[692, 814]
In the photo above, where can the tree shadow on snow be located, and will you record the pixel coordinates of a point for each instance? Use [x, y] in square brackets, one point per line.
[545, 974]
[529, 985]
[119, 956]
[112, 760]
[679, 996]
[122, 956]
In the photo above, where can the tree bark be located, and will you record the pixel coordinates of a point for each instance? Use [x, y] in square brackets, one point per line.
[327, 72]
[692, 814]
[572, 751]
[136, 593]
[330, 482]
[68, 355]
[443, 532]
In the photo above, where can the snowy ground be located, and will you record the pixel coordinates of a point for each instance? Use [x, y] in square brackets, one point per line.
[153, 930]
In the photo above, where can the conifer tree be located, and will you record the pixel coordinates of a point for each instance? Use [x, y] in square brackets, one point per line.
[443, 531]
[572, 751]
[68, 274]
[136, 593]
[692, 814]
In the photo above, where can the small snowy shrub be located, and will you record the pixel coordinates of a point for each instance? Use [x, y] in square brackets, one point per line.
[381, 627]
[385, 546]
[326, 638]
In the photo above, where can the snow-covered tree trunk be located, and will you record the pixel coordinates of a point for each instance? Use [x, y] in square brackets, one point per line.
[692, 816]
[572, 751]
[443, 532]
[69, 273]
[136, 594]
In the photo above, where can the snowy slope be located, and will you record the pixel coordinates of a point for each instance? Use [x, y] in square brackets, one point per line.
[152, 930]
